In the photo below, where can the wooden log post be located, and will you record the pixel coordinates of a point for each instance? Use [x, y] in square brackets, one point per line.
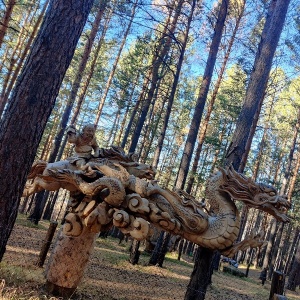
[134, 253]
[47, 243]
[68, 261]
[277, 285]
[180, 248]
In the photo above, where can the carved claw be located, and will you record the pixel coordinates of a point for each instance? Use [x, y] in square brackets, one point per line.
[121, 218]
[138, 204]
[141, 229]
[73, 225]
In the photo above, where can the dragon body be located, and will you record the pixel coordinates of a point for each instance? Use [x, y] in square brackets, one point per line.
[118, 194]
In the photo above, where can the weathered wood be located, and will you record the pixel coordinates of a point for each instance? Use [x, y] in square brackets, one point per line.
[68, 261]
[47, 243]
[56, 290]
[277, 284]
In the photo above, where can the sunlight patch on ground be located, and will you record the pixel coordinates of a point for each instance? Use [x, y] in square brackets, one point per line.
[22, 250]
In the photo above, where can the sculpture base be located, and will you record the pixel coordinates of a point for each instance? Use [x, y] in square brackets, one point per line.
[59, 291]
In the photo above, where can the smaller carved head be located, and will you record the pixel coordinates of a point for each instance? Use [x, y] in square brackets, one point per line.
[88, 131]
[139, 170]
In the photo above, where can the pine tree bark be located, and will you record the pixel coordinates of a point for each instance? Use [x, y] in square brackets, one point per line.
[134, 252]
[197, 116]
[77, 81]
[291, 253]
[197, 286]
[201, 275]
[174, 88]
[267, 257]
[155, 253]
[32, 101]
[157, 61]
[294, 275]
[258, 80]
[6, 18]
[114, 67]
[204, 126]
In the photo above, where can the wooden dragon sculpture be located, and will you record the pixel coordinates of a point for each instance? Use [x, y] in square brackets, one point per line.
[117, 194]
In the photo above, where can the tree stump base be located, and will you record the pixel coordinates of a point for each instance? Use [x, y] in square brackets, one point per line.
[59, 291]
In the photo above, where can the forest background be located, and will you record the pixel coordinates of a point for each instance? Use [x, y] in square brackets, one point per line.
[136, 73]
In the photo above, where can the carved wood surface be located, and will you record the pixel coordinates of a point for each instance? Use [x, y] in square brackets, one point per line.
[122, 192]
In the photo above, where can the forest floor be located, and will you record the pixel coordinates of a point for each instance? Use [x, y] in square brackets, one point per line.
[110, 276]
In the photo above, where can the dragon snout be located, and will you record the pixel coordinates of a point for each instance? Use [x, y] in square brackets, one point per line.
[282, 200]
[150, 174]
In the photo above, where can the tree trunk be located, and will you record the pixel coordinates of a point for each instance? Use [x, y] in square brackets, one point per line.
[294, 177]
[258, 80]
[197, 116]
[271, 240]
[283, 190]
[173, 90]
[157, 61]
[77, 81]
[50, 207]
[294, 247]
[201, 275]
[155, 253]
[275, 249]
[90, 71]
[32, 101]
[133, 114]
[294, 275]
[204, 126]
[4, 23]
[134, 252]
[287, 173]
[164, 249]
[5, 93]
[114, 67]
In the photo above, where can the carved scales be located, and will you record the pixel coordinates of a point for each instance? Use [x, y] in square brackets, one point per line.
[121, 192]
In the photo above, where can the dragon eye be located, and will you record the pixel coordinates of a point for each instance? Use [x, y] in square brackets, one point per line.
[272, 193]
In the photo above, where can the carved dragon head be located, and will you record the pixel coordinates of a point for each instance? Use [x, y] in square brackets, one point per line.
[139, 170]
[256, 195]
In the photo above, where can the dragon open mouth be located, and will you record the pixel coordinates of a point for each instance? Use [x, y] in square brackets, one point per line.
[256, 195]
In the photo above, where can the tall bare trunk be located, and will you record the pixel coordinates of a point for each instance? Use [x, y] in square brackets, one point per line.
[32, 101]
[174, 88]
[6, 18]
[90, 74]
[202, 97]
[5, 94]
[77, 81]
[157, 61]
[204, 125]
[258, 80]
[114, 67]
